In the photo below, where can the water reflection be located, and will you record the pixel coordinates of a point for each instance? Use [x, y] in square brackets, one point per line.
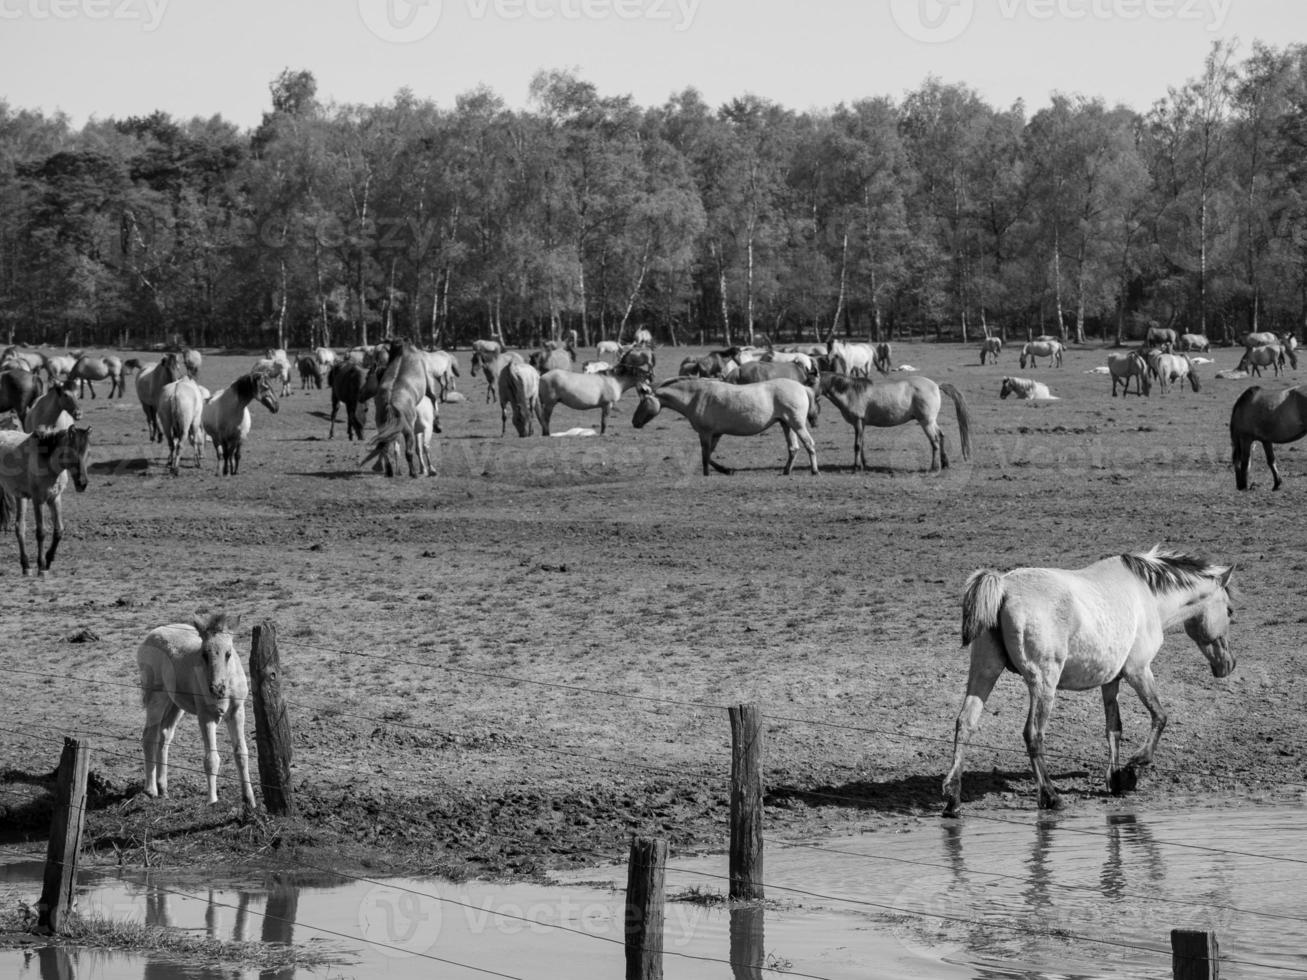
[746, 942]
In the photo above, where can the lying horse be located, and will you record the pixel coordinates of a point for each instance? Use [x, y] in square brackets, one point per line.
[717, 408]
[885, 404]
[36, 467]
[1074, 630]
[1025, 388]
[1268, 417]
[193, 669]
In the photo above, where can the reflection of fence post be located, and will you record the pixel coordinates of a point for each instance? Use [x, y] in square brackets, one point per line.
[746, 803]
[66, 824]
[644, 909]
[1194, 955]
[271, 723]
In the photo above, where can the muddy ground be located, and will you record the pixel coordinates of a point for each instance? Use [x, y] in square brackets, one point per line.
[514, 665]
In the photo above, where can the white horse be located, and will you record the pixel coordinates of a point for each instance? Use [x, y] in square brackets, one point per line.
[424, 427]
[180, 406]
[276, 369]
[193, 669]
[610, 347]
[1050, 348]
[444, 367]
[1078, 629]
[1175, 367]
[858, 358]
[226, 417]
[583, 392]
[1124, 366]
[519, 391]
[1026, 388]
[719, 408]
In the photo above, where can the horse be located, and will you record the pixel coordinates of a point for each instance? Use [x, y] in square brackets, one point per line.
[406, 380]
[1268, 417]
[226, 417]
[1127, 365]
[19, 390]
[552, 359]
[193, 669]
[718, 408]
[714, 364]
[192, 361]
[490, 365]
[1084, 628]
[766, 370]
[583, 392]
[56, 409]
[1193, 342]
[150, 382]
[443, 366]
[27, 360]
[424, 425]
[1052, 349]
[643, 336]
[797, 357]
[86, 370]
[36, 466]
[352, 385]
[990, 347]
[1160, 337]
[1175, 367]
[310, 371]
[180, 406]
[1025, 388]
[881, 358]
[1266, 355]
[487, 348]
[58, 366]
[276, 369]
[519, 390]
[858, 358]
[608, 347]
[325, 357]
[887, 404]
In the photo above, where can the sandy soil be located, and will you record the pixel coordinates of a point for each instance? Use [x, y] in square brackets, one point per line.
[516, 664]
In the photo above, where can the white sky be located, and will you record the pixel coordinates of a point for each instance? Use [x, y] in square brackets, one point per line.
[116, 58]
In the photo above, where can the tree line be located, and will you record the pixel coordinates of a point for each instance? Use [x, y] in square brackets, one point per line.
[935, 215]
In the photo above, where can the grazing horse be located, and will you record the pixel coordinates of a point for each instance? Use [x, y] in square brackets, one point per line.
[36, 466]
[149, 385]
[583, 392]
[890, 403]
[1175, 367]
[1266, 355]
[990, 348]
[608, 347]
[86, 370]
[714, 364]
[1025, 388]
[1161, 337]
[226, 417]
[490, 366]
[180, 406]
[1052, 349]
[1127, 365]
[352, 385]
[1268, 417]
[881, 358]
[19, 390]
[56, 409]
[717, 408]
[1079, 629]
[519, 390]
[310, 370]
[193, 669]
[858, 358]
[407, 379]
[1193, 342]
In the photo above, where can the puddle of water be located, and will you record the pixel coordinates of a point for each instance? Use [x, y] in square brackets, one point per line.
[1025, 896]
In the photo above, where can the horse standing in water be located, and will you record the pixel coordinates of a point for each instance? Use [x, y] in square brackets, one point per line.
[193, 669]
[1267, 417]
[36, 467]
[1073, 630]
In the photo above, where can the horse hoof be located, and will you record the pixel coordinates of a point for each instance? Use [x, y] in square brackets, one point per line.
[1123, 780]
[1049, 800]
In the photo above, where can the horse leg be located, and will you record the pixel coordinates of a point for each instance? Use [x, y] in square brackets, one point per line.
[161, 717]
[56, 529]
[1243, 450]
[1145, 686]
[810, 444]
[859, 433]
[603, 418]
[791, 448]
[240, 752]
[987, 663]
[708, 441]
[335, 404]
[1118, 780]
[933, 436]
[20, 529]
[212, 760]
[544, 410]
[1270, 461]
[1042, 692]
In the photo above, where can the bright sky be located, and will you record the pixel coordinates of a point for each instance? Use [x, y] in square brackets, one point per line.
[117, 58]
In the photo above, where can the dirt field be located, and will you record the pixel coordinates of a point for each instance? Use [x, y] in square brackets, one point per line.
[517, 663]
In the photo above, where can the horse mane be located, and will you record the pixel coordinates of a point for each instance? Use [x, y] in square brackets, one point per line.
[47, 437]
[1166, 571]
[245, 386]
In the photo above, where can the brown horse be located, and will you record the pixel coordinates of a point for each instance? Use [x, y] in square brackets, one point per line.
[19, 390]
[149, 386]
[1268, 417]
[35, 467]
[352, 385]
[86, 369]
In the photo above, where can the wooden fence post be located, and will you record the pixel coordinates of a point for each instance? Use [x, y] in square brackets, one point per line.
[66, 825]
[271, 723]
[746, 803]
[644, 909]
[1195, 955]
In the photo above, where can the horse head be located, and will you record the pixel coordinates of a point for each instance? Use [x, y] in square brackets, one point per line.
[1007, 388]
[1209, 624]
[649, 405]
[222, 669]
[264, 391]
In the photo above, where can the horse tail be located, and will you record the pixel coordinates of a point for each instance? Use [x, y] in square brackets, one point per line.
[982, 600]
[8, 507]
[814, 410]
[964, 417]
[388, 433]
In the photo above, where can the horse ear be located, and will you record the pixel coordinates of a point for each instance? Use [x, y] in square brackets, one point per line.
[1226, 576]
[233, 622]
[200, 622]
